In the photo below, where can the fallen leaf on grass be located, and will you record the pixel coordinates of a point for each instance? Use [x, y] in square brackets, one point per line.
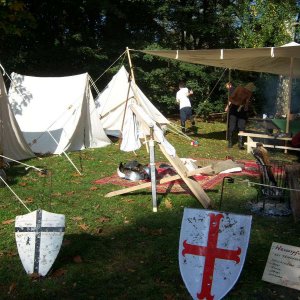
[103, 219]
[8, 222]
[34, 276]
[11, 253]
[56, 194]
[66, 242]
[131, 270]
[99, 230]
[28, 200]
[77, 259]
[84, 226]
[12, 287]
[76, 174]
[70, 193]
[168, 297]
[59, 273]
[168, 204]
[78, 218]
[22, 183]
[93, 188]
[129, 200]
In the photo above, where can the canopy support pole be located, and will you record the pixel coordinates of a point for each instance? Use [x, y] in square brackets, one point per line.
[287, 128]
[228, 94]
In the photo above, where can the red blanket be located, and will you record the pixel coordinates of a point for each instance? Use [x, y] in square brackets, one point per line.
[178, 186]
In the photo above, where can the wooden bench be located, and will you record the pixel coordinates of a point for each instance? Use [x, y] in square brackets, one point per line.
[252, 144]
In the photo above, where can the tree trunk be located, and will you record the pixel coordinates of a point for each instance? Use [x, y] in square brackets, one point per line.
[282, 97]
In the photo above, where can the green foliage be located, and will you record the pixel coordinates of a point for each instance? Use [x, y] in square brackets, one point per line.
[266, 23]
[62, 37]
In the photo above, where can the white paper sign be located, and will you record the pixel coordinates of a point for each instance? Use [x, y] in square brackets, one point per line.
[283, 266]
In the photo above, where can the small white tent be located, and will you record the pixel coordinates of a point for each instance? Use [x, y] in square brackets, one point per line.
[12, 142]
[114, 100]
[56, 114]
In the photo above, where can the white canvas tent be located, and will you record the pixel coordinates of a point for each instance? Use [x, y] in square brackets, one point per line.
[114, 100]
[12, 142]
[56, 114]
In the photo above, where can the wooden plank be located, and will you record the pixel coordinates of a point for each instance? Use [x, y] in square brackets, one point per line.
[277, 147]
[193, 185]
[142, 186]
[264, 136]
[161, 181]
[252, 144]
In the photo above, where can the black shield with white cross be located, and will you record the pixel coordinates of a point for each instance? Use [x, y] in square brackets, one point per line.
[39, 236]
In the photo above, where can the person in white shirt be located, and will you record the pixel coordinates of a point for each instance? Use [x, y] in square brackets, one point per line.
[182, 97]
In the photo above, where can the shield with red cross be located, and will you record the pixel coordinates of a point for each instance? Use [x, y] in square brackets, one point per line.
[212, 251]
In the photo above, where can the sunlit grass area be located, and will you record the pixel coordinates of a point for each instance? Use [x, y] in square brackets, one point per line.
[117, 248]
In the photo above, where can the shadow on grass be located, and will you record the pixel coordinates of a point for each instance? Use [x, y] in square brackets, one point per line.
[136, 260]
[217, 135]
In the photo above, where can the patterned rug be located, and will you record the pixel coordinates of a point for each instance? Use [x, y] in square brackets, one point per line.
[208, 182]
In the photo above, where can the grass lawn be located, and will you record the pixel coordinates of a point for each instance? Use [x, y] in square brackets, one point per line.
[117, 248]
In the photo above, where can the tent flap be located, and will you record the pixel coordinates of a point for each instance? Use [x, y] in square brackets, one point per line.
[112, 104]
[12, 142]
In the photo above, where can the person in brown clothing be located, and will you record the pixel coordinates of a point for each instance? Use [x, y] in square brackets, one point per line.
[238, 108]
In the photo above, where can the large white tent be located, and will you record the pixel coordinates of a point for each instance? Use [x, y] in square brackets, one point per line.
[56, 114]
[12, 142]
[114, 100]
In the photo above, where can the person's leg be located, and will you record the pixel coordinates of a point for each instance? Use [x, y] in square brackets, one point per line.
[189, 115]
[241, 127]
[231, 128]
[182, 119]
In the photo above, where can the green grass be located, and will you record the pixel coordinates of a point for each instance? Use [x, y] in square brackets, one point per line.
[117, 248]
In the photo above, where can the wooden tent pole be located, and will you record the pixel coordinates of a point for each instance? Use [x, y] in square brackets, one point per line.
[289, 96]
[287, 127]
[130, 79]
[228, 94]
[134, 88]
[130, 64]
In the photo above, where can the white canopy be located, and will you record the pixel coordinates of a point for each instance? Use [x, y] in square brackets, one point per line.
[275, 60]
[12, 142]
[56, 114]
[112, 101]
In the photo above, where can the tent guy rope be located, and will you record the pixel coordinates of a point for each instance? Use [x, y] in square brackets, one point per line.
[15, 194]
[28, 166]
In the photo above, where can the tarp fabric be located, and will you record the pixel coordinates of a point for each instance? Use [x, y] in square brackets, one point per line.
[12, 142]
[275, 60]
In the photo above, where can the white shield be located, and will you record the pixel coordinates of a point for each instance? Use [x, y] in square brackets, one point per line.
[39, 236]
[212, 251]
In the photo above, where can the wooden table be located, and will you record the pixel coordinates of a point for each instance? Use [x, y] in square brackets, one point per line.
[252, 144]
